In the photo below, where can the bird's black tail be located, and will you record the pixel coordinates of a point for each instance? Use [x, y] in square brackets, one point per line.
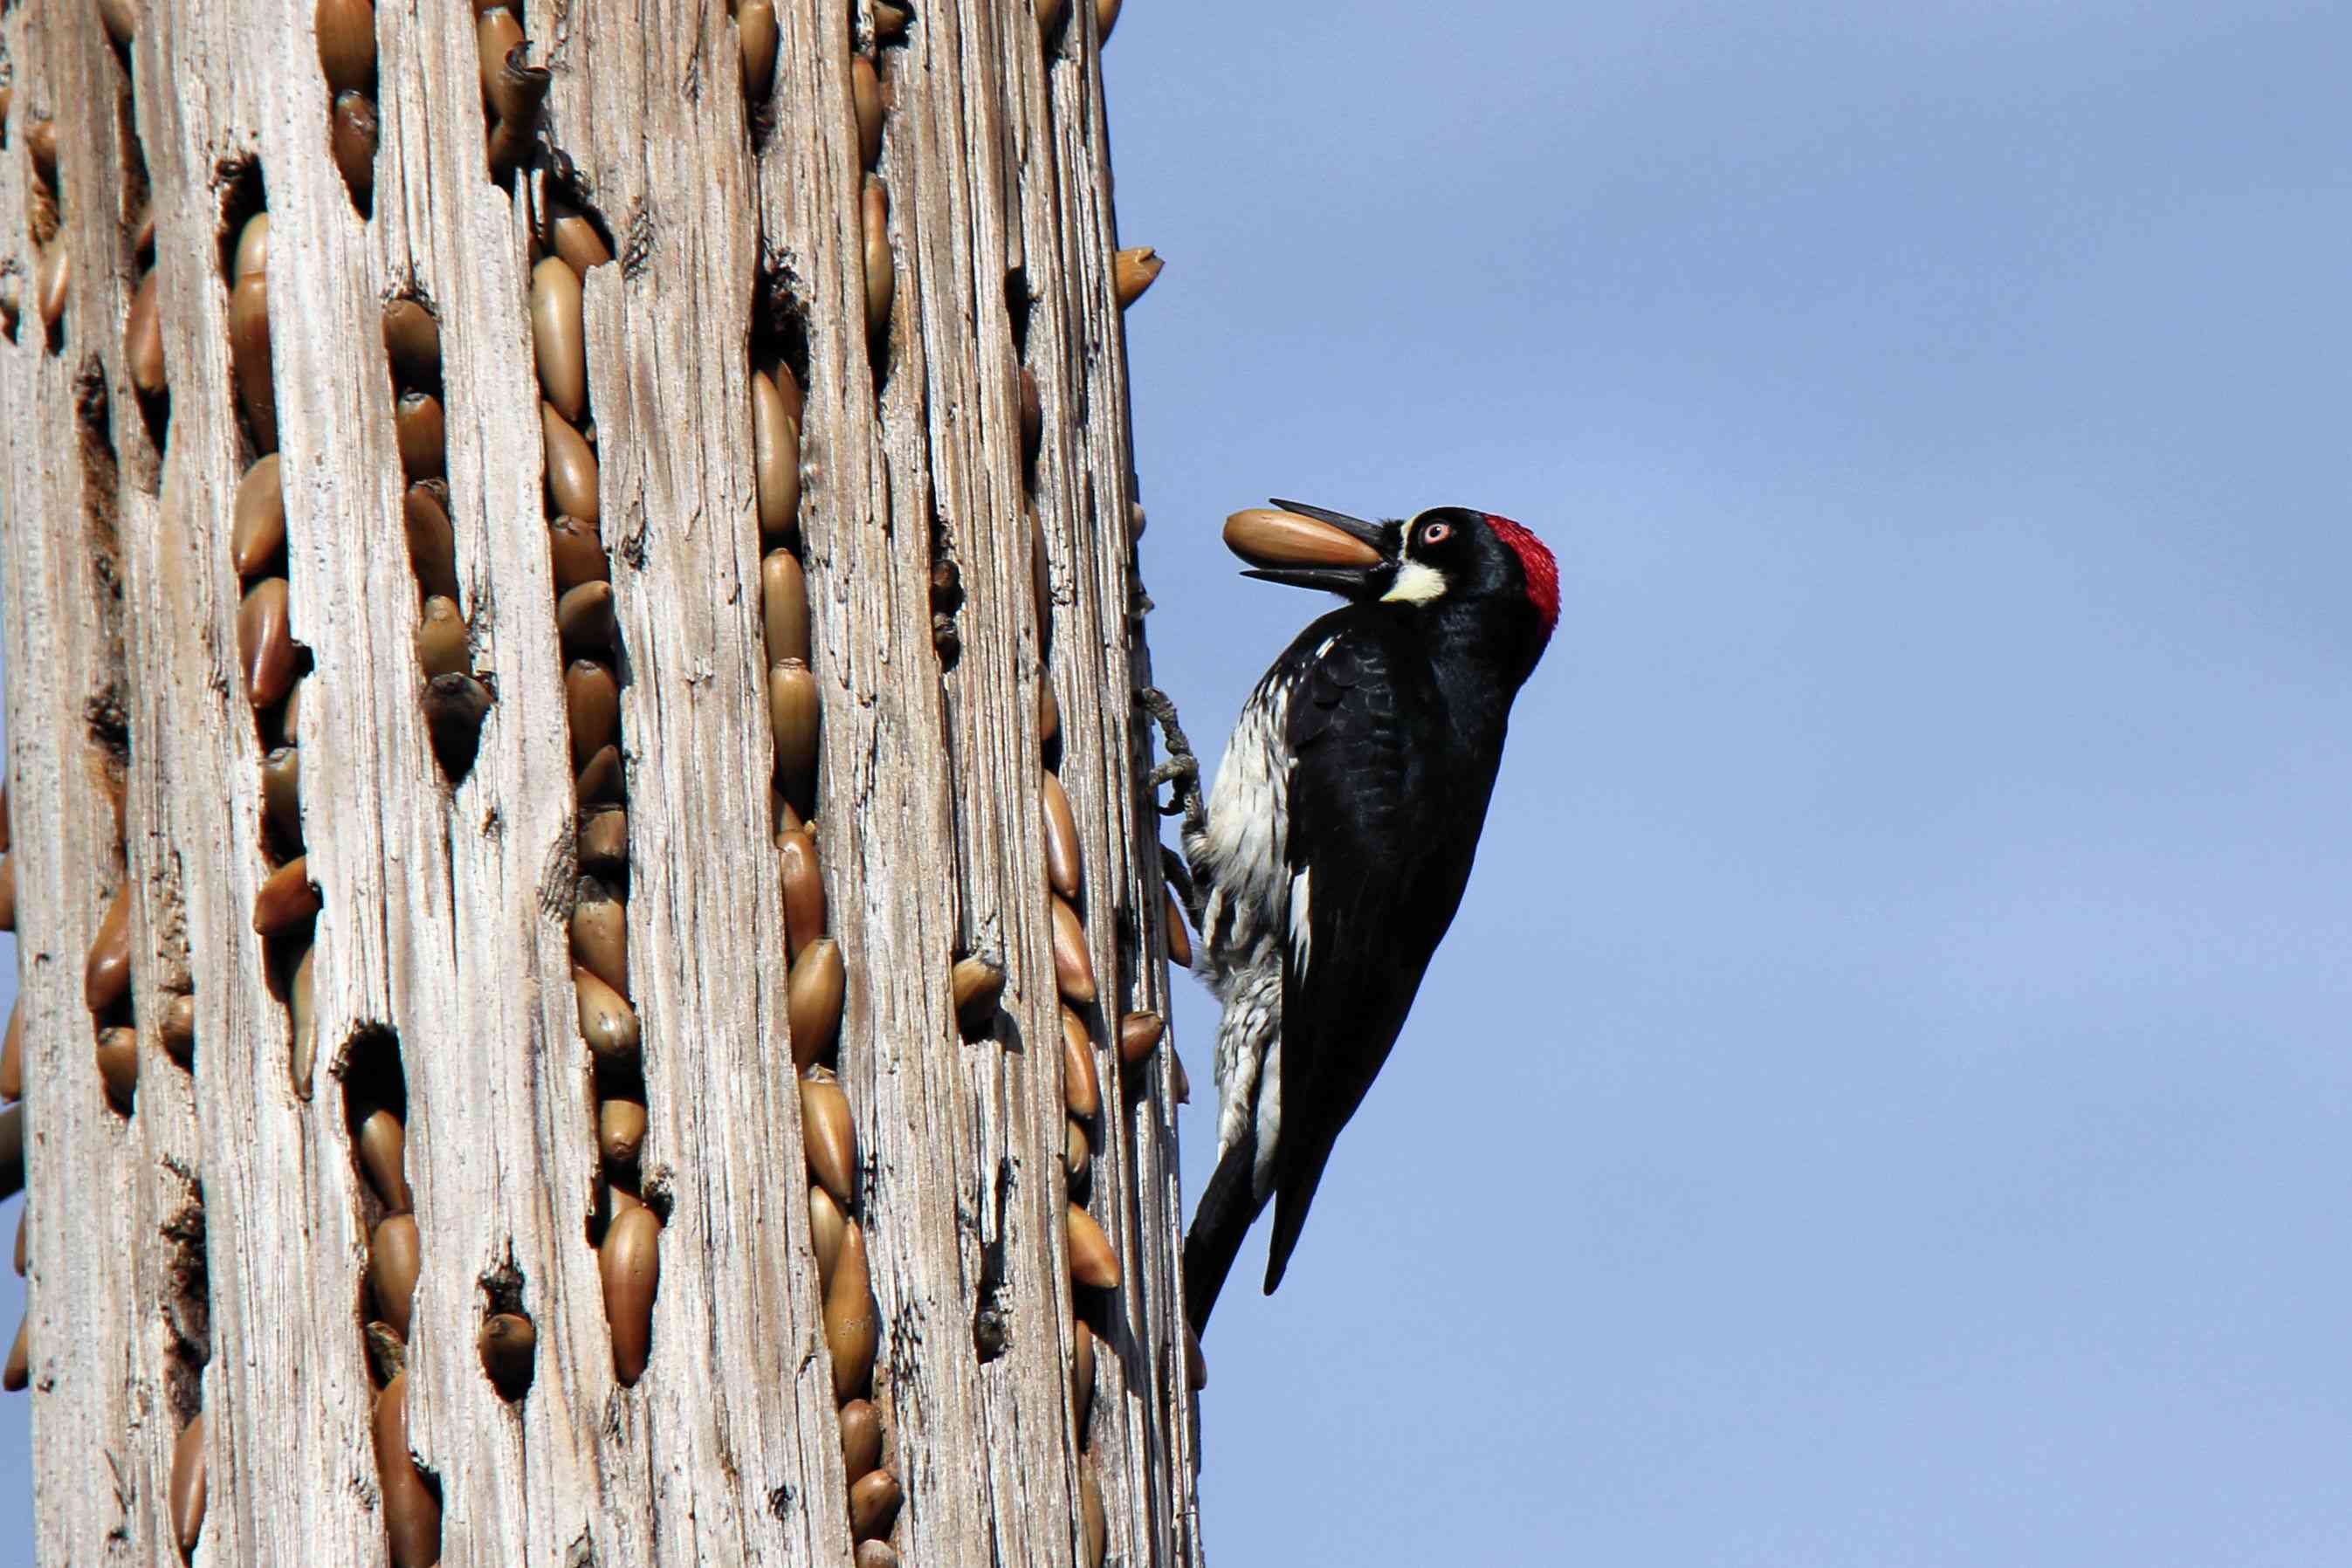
[1224, 1218]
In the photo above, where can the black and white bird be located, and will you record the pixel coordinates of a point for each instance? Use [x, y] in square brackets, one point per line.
[1341, 832]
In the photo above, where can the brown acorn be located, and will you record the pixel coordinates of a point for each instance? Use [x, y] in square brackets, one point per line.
[1263, 536]
[793, 709]
[455, 706]
[1041, 571]
[866, 99]
[583, 619]
[891, 20]
[630, 1264]
[257, 525]
[265, 642]
[1092, 1261]
[1082, 1377]
[607, 1022]
[1180, 940]
[813, 997]
[187, 1493]
[395, 1259]
[605, 838]
[1133, 271]
[143, 336]
[1135, 523]
[976, 986]
[873, 1501]
[422, 435]
[575, 239]
[576, 554]
[496, 33]
[52, 281]
[411, 1514]
[881, 281]
[382, 1145]
[432, 541]
[1106, 18]
[508, 1345]
[1196, 1366]
[828, 1134]
[600, 934]
[105, 972]
[252, 253]
[118, 1066]
[826, 1227]
[18, 1371]
[346, 31]
[775, 453]
[1049, 711]
[559, 336]
[12, 1052]
[875, 1555]
[7, 892]
[120, 20]
[756, 31]
[853, 1328]
[12, 1151]
[1063, 872]
[248, 337]
[1050, 14]
[601, 779]
[1032, 415]
[287, 898]
[620, 1130]
[411, 341]
[1090, 1513]
[803, 889]
[1081, 1084]
[1138, 1036]
[861, 1439]
[571, 482]
[1076, 1151]
[353, 133]
[441, 638]
[1074, 971]
[1183, 1081]
[784, 608]
[299, 1007]
[178, 1028]
[592, 700]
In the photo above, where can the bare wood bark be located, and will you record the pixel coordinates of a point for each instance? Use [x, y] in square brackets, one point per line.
[226, 1212]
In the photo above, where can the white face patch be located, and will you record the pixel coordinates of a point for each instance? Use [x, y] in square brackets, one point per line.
[1416, 583]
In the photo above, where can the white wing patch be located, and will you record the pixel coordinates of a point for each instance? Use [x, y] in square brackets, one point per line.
[1301, 933]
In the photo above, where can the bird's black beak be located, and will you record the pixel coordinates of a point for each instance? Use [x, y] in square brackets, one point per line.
[1353, 579]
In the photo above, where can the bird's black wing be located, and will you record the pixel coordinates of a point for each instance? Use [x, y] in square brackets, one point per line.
[1359, 937]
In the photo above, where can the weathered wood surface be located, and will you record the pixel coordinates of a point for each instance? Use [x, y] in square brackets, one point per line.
[444, 912]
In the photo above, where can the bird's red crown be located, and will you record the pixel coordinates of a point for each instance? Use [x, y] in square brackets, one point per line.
[1535, 560]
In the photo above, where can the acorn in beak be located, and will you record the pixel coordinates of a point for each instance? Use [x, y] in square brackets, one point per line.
[1309, 547]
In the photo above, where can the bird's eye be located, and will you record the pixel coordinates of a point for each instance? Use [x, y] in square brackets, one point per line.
[1437, 533]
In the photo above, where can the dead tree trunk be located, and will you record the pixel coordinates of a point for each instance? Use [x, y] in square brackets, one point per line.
[554, 556]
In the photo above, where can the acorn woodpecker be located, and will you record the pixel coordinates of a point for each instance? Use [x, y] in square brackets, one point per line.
[1340, 835]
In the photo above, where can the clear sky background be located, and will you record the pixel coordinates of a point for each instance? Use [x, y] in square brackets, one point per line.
[1887, 1097]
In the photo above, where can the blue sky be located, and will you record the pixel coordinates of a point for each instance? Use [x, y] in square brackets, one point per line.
[1884, 1101]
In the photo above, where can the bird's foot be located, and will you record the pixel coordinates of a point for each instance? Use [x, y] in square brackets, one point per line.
[1182, 769]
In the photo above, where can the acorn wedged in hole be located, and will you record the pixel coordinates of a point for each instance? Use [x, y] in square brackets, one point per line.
[793, 715]
[828, 1134]
[178, 1028]
[1090, 1513]
[354, 132]
[422, 435]
[411, 1514]
[105, 972]
[826, 1227]
[1265, 536]
[572, 479]
[1032, 415]
[1196, 1366]
[509, 1344]
[1082, 1377]
[1106, 18]
[281, 795]
[382, 1145]
[300, 1012]
[455, 706]
[604, 841]
[559, 336]
[976, 987]
[890, 19]
[497, 32]
[852, 1330]
[1138, 1036]
[1074, 969]
[584, 620]
[265, 642]
[776, 452]
[432, 541]
[784, 608]
[395, 1259]
[620, 1130]
[1081, 1084]
[7, 892]
[1063, 871]
[601, 779]
[881, 279]
[252, 254]
[629, 1262]
[813, 998]
[875, 1555]
[12, 1151]
[411, 341]
[755, 24]
[257, 525]
[441, 638]
[873, 1501]
[1180, 939]
[187, 1492]
[803, 885]
[1133, 272]
[861, 1439]
[576, 554]
[248, 337]
[53, 285]
[599, 933]
[287, 898]
[591, 701]
[866, 103]
[572, 236]
[1076, 1151]
[143, 336]
[1092, 1261]
[118, 1066]
[607, 1023]
[346, 33]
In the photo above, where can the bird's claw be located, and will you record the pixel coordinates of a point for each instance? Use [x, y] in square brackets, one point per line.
[1182, 769]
